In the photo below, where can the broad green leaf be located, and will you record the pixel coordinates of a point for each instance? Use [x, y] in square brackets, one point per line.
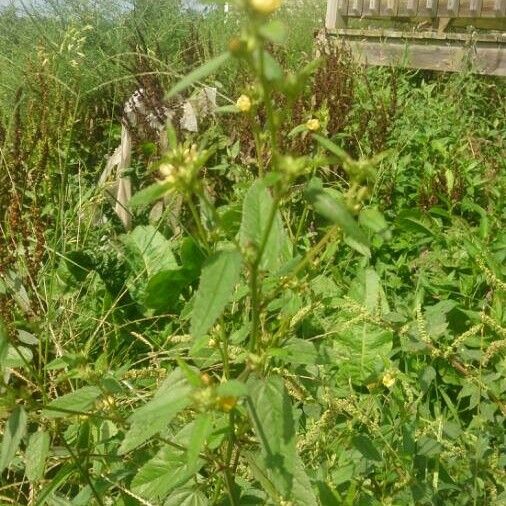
[366, 447]
[163, 289]
[331, 206]
[162, 474]
[156, 280]
[149, 194]
[362, 350]
[14, 430]
[148, 252]
[257, 208]
[36, 454]
[140, 432]
[198, 74]
[302, 493]
[186, 496]
[154, 416]
[17, 356]
[299, 351]
[76, 402]
[272, 416]
[202, 428]
[219, 277]
[374, 220]
[367, 290]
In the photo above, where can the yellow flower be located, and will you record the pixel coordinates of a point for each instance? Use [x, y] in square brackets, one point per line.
[388, 380]
[313, 124]
[168, 172]
[265, 6]
[226, 404]
[243, 103]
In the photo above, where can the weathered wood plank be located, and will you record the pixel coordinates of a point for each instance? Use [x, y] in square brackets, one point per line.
[448, 56]
[475, 9]
[355, 8]
[388, 8]
[371, 8]
[331, 17]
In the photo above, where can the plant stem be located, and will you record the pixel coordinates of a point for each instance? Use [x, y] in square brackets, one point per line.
[198, 222]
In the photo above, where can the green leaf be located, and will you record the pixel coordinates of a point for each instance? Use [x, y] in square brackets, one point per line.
[368, 291]
[186, 496]
[362, 350]
[275, 31]
[232, 388]
[76, 402]
[366, 447]
[148, 252]
[162, 474]
[299, 351]
[198, 74]
[375, 221]
[302, 493]
[17, 356]
[331, 206]
[202, 428]
[257, 208]
[219, 277]
[163, 289]
[272, 416]
[149, 194]
[272, 69]
[154, 416]
[14, 430]
[36, 454]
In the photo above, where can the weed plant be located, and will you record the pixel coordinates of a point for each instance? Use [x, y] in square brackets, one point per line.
[320, 322]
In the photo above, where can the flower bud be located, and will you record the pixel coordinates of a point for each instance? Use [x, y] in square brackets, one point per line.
[243, 103]
[265, 6]
[313, 124]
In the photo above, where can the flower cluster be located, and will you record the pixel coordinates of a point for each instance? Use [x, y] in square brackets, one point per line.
[179, 167]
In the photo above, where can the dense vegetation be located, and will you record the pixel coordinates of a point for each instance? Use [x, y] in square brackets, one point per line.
[315, 316]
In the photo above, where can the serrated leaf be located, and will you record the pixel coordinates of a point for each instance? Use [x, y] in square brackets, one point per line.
[362, 350]
[17, 356]
[219, 277]
[76, 402]
[272, 416]
[162, 474]
[374, 220]
[36, 454]
[14, 430]
[171, 398]
[366, 447]
[332, 207]
[163, 289]
[148, 252]
[299, 351]
[257, 207]
[302, 493]
[186, 496]
[202, 428]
